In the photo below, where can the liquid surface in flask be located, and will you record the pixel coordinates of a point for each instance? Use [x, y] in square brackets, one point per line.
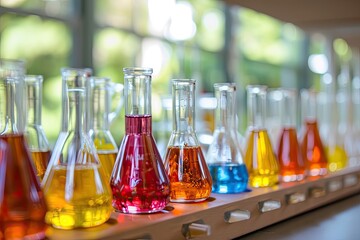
[313, 150]
[260, 160]
[292, 166]
[107, 160]
[22, 206]
[137, 184]
[193, 184]
[85, 205]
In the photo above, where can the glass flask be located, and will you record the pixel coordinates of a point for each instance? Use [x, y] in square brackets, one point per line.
[355, 96]
[292, 166]
[22, 205]
[311, 143]
[138, 181]
[260, 159]
[224, 156]
[190, 179]
[34, 132]
[75, 184]
[101, 93]
[328, 119]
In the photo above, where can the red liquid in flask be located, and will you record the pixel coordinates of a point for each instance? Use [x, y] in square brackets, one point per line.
[22, 204]
[313, 150]
[138, 182]
[292, 166]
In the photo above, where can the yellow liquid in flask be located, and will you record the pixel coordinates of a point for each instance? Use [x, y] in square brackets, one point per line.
[260, 160]
[83, 201]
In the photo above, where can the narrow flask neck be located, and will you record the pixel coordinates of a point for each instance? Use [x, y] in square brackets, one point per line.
[256, 106]
[225, 110]
[184, 106]
[76, 111]
[34, 102]
[100, 109]
[140, 124]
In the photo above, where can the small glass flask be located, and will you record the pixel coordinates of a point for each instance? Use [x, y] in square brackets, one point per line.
[260, 159]
[311, 143]
[75, 184]
[138, 181]
[34, 133]
[190, 179]
[292, 166]
[101, 92]
[22, 205]
[224, 156]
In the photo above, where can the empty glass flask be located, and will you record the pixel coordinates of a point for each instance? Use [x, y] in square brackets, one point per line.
[75, 184]
[139, 183]
[224, 156]
[185, 165]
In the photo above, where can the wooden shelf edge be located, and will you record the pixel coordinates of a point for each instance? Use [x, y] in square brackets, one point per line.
[169, 224]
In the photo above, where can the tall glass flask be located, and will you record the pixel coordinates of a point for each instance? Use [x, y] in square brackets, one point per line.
[75, 184]
[139, 182]
[224, 156]
[190, 179]
[101, 92]
[328, 120]
[260, 159]
[292, 165]
[22, 204]
[311, 142]
[34, 132]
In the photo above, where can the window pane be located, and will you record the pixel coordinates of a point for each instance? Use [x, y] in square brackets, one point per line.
[61, 8]
[45, 46]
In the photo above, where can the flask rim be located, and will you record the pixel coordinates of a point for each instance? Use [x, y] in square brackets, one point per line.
[137, 71]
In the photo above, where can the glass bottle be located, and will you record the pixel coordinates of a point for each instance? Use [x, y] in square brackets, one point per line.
[34, 132]
[328, 119]
[139, 182]
[75, 184]
[190, 179]
[311, 143]
[292, 166]
[101, 92]
[260, 159]
[224, 156]
[22, 205]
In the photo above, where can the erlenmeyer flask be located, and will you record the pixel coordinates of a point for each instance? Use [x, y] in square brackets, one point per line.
[101, 92]
[311, 143]
[224, 156]
[34, 132]
[75, 185]
[328, 118]
[292, 166]
[260, 159]
[190, 179]
[138, 181]
[22, 205]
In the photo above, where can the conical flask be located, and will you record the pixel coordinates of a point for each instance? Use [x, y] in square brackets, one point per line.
[329, 115]
[224, 156]
[190, 179]
[75, 184]
[138, 181]
[292, 165]
[22, 205]
[311, 142]
[34, 132]
[101, 93]
[260, 159]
